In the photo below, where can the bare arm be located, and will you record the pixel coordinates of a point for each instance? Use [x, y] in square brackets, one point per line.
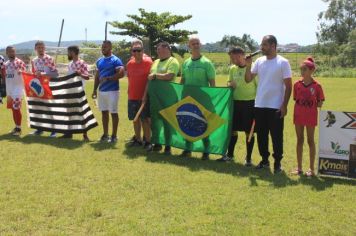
[96, 84]
[212, 82]
[249, 76]
[166, 76]
[287, 93]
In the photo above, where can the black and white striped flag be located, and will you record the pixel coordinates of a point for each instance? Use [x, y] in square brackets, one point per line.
[66, 111]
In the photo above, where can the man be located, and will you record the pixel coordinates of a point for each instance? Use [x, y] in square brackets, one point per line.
[197, 71]
[80, 67]
[244, 101]
[110, 70]
[165, 68]
[43, 64]
[14, 87]
[2, 78]
[138, 69]
[273, 93]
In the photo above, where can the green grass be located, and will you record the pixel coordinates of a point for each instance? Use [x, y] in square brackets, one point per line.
[52, 186]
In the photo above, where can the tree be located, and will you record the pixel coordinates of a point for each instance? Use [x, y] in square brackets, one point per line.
[156, 27]
[337, 21]
[245, 42]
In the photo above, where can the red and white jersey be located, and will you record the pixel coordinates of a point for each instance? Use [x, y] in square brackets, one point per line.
[14, 82]
[44, 64]
[78, 65]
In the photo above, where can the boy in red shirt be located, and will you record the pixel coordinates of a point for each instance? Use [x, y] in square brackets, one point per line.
[308, 95]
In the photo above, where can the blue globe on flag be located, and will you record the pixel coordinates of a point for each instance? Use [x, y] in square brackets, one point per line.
[191, 120]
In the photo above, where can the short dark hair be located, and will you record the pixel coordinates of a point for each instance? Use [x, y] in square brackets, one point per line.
[39, 42]
[236, 50]
[107, 42]
[74, 49]
[271, 39]
[164, 44]
[8, 47]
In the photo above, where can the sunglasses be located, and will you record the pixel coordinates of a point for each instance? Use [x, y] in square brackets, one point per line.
[136, 50]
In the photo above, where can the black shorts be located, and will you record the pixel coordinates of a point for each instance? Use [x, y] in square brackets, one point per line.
[133, 107]
[243, 115]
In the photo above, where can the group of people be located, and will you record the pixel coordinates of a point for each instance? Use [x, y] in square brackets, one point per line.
[261, 92]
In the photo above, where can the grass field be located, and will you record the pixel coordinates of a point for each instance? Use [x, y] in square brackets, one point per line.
[64, 187]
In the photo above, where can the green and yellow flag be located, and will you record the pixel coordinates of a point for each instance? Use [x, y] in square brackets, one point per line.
[189, 117]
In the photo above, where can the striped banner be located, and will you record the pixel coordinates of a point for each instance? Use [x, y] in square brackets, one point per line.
[67, 110]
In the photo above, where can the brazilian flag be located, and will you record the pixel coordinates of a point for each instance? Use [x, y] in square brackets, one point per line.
[190, 117]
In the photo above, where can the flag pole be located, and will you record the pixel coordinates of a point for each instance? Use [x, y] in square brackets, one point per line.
[251, 131]
[139, 111]
[60, 39]
[106, 30]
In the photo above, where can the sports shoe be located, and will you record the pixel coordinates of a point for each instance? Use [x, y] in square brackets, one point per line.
[113, 139]
[205, 157]
[277, 168]
[52, 134]
[225, 158]
[262, 164]
[16, 132]
[37, 132]
[248, 162]
[186, 153]
[104, 138]
[167, 150]
[135, 143]
[157, 147]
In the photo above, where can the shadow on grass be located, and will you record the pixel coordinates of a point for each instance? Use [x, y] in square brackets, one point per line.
[100, 146]
[279, 180]
[69, 144]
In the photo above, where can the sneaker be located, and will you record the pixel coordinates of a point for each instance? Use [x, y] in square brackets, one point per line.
[52, 134]
[104, 138]
[131, 139]
[67, 136]
[156, 147]
[113, 139]
[135, 143]
[37, 132]
[262, 164]
[148, 147]
[277, 168]
[16, 132]
[225, 158]
[248, 162]
[186, 153]
[296, 171]
[167, 150]
[205, 157]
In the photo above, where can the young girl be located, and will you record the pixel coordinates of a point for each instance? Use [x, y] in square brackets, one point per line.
[308, 96]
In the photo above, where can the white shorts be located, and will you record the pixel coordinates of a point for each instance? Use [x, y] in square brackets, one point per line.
[108, 101]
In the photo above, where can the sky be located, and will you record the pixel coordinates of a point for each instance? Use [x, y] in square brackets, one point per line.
[291, 21]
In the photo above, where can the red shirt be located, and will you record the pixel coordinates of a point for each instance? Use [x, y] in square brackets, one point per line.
[137, 74]
[306, 102]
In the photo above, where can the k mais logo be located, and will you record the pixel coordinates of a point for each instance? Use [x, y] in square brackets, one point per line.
[329, 165]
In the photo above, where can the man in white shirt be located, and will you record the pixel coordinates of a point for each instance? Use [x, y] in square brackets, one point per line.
[43, 64]
[273, 93]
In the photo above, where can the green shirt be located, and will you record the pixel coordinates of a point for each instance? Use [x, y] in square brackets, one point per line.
[169, 65]
[198, 72]
[244, 91]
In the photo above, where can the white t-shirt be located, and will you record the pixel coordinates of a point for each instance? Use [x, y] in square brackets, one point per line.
[271, 74]
[14, 82]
